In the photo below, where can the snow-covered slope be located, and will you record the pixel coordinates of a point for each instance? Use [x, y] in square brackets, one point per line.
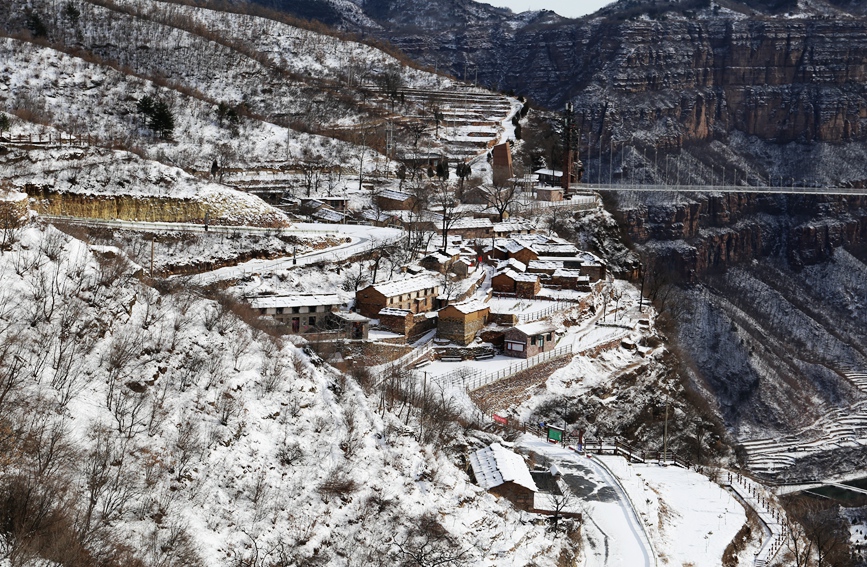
[160, 427]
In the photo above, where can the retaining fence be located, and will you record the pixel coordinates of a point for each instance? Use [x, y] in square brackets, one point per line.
[475, 380]
[51, 140]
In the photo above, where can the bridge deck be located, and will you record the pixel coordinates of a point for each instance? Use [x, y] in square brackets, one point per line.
[724, 189]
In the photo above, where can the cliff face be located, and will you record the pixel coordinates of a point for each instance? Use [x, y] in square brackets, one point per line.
[707, 233]
[671, 75]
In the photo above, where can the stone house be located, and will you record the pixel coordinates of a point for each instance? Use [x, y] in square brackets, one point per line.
[504, 473]
[439, 261]
[522, 285]
[416, 294]
[526, 341]
[405, 322]
[545, 267]
[469, 228]
[512, 264]
[303, 313]
[460, 322]
[571, 279]
[391, 200]
[507, 228]
[353, 325]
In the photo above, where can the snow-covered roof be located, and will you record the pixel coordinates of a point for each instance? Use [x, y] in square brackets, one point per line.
[377, 216]
[590, 258]
[556, 248]
[509, 245]
[518, 277]
[438, 257]
[565, 273]
[392, 312]
[466, 223]
[470, 306]
[350, 316]
[512, 226]
[496, 465]
[277, 301]
[554, 172]
[395, 195]
[512, 263]
[537, 328]
[407, 285]
[544, 265]
[328, 215]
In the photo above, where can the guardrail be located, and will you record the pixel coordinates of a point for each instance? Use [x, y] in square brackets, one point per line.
[755, 497]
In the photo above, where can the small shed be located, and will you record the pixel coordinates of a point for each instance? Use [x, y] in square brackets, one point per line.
[526, 341]
[460, 322]
[355, 326]
[550, 194]
[504, 473]
[550, 177]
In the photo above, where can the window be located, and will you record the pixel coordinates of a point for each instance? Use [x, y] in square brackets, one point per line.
[279, 311]
[311, 322]
[540, 341]
[296, 310]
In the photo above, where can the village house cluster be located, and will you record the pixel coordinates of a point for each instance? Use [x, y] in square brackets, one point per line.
[462, 292]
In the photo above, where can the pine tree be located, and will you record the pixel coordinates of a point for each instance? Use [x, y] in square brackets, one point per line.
[145, 105]
[162, 121]
[35, 25]
[4, 123]
[71, 12]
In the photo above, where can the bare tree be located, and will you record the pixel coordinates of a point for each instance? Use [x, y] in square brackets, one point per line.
[429, 544]
[501, 199]
[816, 534]
[445, 201]
[354, 278]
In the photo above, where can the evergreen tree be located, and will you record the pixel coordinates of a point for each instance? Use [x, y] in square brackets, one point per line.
[35, 25]
[71, 12]
[4, 123]
[162, 121]
[145, 105]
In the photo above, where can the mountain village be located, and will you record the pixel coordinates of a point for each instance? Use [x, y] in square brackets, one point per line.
[336, 308]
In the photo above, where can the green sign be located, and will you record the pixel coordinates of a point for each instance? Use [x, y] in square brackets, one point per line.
[555, 434]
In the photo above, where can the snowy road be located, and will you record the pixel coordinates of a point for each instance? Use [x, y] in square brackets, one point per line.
[360, 239]
[613, 533]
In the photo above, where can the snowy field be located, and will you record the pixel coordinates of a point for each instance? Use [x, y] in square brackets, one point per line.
[678, 515]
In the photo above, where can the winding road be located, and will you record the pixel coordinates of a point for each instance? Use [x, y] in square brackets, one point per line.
[614, 535]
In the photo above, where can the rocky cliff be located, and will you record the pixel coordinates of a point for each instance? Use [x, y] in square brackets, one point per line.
[660, 76]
